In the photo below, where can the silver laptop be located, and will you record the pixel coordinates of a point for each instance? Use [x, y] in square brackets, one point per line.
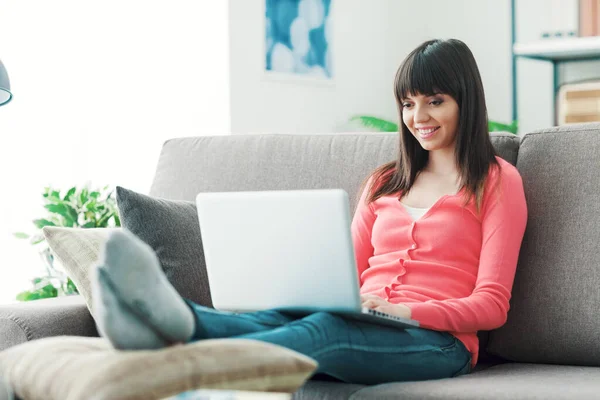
[287, 250]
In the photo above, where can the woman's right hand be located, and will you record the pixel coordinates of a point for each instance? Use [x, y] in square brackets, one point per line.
[378, 304]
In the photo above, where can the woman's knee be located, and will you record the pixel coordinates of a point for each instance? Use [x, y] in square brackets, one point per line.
[326, 322]
[269, 317]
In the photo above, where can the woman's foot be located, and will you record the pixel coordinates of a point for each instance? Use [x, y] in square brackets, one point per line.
[117, 322]
[130, 273]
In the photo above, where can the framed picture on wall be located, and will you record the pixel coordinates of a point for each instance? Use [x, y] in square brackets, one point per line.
[298, 40]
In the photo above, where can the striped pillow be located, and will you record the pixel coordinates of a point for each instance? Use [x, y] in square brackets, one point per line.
[70, 368]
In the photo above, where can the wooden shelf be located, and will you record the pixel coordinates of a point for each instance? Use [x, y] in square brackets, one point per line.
[568, 49]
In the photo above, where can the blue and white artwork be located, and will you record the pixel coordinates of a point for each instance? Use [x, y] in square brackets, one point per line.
[298, 37]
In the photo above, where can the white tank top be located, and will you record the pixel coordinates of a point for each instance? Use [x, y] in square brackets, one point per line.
[414, 212]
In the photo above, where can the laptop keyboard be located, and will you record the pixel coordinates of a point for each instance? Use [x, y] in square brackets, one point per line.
[384, 315]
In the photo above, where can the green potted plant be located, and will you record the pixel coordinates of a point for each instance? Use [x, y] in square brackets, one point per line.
[77, 208]
[383, 125]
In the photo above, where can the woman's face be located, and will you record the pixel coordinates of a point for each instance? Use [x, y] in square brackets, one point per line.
[433, 120]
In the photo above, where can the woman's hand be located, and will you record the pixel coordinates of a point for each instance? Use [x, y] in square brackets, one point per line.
[378, 304]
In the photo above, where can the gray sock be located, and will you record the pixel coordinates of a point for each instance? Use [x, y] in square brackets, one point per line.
[116, 322]
[140, 283]
[6, 392]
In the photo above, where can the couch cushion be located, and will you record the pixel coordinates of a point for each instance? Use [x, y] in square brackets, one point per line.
[554, 309]
[65, 315]
[506, 146]
[326, 390]
[507, 381]
[70, 368]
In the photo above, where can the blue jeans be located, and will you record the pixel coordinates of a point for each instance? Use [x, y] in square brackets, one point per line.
[348, 350]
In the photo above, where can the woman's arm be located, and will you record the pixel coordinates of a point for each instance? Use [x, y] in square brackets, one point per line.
[362, 227]
[504, 217]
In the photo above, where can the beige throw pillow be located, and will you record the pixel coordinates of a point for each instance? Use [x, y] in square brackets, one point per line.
[78, 250]
[74, 368]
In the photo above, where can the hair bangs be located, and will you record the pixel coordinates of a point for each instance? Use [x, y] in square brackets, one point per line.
[421, 74]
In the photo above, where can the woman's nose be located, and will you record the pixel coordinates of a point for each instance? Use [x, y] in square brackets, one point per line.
[420, 115]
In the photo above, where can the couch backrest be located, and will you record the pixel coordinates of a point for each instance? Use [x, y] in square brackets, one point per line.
[191, 165]
[555, 308]
[269, 162]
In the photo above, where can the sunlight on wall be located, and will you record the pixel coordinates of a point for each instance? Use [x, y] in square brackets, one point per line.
[98, 87]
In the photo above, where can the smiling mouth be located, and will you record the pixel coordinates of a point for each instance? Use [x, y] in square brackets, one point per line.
[427, 133]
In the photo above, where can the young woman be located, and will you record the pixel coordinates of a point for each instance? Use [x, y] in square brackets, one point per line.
[436, 233]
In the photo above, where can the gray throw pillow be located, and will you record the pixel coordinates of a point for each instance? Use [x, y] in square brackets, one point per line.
[172, 229]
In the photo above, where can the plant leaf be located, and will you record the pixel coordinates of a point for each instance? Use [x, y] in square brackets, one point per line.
[65, 210]
[494, 126]
[103, 221]
[44, 292]
[48, 291]
[91, 205]
[71, 288]
[83, 196]
[24, 296]
[40, 223]
[60, 209]
[378, 124]
[72, 212]
[37, 239]
[70, 193]
[21, 235]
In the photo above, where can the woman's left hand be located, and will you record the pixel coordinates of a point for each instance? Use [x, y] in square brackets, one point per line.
[378, 304]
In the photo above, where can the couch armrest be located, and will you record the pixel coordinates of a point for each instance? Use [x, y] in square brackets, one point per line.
[31, 320]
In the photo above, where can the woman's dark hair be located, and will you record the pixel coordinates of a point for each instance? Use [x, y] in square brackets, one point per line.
[448, 67]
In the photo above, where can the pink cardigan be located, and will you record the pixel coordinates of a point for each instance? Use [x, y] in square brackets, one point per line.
[452, 267]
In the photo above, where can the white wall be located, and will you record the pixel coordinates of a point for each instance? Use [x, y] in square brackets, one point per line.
[98, 87]
[535, 78]
[483, 25]
[361, 81]
[370, 40]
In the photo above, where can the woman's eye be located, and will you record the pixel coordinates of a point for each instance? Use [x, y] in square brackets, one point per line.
[436, 102]
[406, 105]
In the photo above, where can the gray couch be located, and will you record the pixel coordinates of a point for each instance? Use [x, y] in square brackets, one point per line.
[550, 346]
